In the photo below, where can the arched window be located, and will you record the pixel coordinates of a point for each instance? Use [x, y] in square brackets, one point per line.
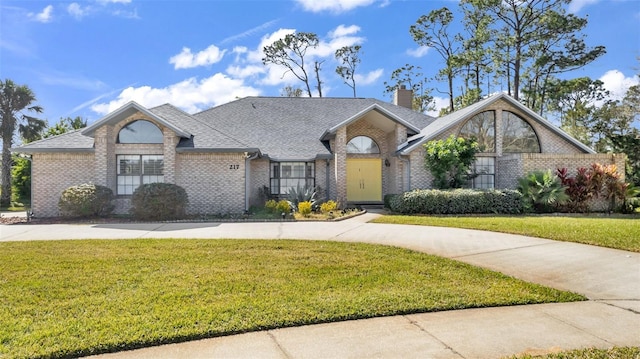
[140, 131]
[518, 135]
[482, 127]
[362, 144]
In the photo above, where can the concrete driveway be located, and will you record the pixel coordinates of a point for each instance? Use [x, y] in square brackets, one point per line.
[609, 278]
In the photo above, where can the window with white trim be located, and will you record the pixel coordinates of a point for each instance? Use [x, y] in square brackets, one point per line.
[363, 145]
[288, 175]
[134, 170]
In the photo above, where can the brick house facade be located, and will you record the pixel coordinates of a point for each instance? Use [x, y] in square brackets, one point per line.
[231, 157]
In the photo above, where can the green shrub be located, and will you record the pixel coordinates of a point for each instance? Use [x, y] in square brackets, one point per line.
[458, 201]
[283, 207]
[542, 192]
[271, 206]
[304, 208]
[159, 201]
[86, 200]
[388, 198]
[328, 206]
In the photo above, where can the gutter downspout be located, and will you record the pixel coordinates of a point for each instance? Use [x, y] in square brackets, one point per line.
[327, 181]
[247, 177]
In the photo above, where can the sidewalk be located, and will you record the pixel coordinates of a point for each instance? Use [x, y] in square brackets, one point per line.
[609, 278]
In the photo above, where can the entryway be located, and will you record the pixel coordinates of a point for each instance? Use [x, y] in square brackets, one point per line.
[364, 180]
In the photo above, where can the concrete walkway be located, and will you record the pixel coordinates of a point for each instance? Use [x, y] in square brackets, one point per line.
[609, 278]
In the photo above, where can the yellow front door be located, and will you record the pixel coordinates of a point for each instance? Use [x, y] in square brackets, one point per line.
[364, 180]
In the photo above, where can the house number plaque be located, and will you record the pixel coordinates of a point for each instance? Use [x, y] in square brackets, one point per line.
[234, 167]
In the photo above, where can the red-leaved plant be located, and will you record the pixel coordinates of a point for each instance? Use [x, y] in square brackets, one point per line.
[598, 180]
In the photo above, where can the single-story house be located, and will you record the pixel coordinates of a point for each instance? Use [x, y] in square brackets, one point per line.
[354, 150]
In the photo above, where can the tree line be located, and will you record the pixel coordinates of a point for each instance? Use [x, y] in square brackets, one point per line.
[527, 48]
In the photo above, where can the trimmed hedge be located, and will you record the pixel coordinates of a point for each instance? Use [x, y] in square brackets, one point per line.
[159, 201]
[458, 201]
[86, 200]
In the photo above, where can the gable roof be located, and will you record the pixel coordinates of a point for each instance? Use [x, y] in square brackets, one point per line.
[129, 109]
[443, 124]
[298, 128]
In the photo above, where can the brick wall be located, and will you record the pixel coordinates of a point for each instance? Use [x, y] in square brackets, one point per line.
[55, 172]
[212, 181]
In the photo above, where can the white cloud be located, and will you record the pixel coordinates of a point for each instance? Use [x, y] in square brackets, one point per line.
[577, 5]
[190, 95]
[339, 37]
[44, 16]
[342, 30]
[77, 11]
[335, 6]
[617, 84]
[369, 77]
[418, 52]
[440, 103]
[186, 59]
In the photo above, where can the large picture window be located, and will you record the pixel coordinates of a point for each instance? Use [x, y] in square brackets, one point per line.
[518, 135]
[482, 127]
[288, 175]
[485, 169]
[134, 170]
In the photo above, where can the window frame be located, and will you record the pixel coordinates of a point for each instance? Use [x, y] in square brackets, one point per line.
[491, 130]
[507, 116]
[284, 175]
[481, 180]
[129, 180]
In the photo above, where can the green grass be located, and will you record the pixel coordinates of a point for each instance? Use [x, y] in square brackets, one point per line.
[619, 233]
[589, 353]
[71, 298]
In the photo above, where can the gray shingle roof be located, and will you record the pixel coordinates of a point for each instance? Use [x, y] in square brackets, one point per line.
[73, 141]
[290, 128]
[283, 128]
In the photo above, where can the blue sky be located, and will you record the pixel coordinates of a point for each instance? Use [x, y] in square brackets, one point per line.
[87, 58]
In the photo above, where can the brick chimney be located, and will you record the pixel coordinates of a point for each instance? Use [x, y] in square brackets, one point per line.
[403, 97]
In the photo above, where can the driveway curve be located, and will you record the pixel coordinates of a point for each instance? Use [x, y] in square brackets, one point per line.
[609, 278]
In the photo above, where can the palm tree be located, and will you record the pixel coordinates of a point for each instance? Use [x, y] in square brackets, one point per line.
[15, 99]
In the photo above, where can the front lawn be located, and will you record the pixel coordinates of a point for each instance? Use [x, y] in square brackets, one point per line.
[588, 353]
[72, 298]
[619, 233]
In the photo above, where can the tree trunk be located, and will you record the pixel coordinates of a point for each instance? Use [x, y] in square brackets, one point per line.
[7, 140]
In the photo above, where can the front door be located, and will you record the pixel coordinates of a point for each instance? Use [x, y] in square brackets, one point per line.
[364, 180]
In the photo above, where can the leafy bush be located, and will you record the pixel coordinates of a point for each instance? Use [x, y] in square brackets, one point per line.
[388, 198]
[21, 178]
[589, 183]
[328, 206]
[631, 202]
[542, 192]
[159, 201]
[86, 200]
[304, 208]
[283, 206]
[459, 201]
[271, 205]
[450, 160]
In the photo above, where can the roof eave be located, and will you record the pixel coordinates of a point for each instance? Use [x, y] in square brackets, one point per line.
[50, 150]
